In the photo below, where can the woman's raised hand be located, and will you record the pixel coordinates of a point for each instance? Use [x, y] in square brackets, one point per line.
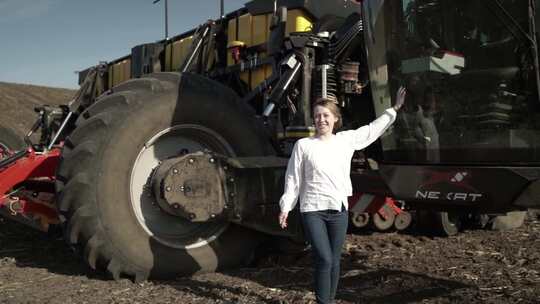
[400, 98]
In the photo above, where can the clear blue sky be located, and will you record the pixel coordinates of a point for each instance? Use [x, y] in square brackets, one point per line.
[44, 42]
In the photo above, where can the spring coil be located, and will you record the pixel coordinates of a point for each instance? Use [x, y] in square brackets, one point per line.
[331, 83]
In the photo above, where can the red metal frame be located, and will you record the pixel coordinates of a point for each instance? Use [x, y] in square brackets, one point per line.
[34, 166]
[376, 205]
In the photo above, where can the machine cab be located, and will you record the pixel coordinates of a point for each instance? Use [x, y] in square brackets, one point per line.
[469, 68]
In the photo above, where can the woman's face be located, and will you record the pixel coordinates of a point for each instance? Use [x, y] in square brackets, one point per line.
[324, 120]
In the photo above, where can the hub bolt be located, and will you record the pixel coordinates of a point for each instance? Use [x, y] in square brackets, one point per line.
[176, 206]
[191, 160]
[231, 180]
[175, 171]
[212, 160]
[168, 189]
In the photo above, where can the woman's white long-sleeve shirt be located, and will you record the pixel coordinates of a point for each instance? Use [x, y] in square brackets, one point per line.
[318, 171]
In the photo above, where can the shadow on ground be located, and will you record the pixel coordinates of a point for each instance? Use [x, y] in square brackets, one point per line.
[292, 284]
[271, 281]
[35, 249]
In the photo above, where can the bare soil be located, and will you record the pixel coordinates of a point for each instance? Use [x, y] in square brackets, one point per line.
[475, 266]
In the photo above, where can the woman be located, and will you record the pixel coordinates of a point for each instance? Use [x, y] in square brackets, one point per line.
[319, 174]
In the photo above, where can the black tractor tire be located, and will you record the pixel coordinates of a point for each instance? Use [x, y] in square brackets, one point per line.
[439, 223]
[95, 188]
[9, 142]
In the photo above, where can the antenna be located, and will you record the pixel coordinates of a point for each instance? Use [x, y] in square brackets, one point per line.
[166, 17]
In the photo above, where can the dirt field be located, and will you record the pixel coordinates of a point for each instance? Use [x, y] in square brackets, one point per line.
[473, 267]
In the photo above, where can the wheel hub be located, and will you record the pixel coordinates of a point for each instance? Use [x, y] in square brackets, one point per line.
[191, 187]
[156, 157]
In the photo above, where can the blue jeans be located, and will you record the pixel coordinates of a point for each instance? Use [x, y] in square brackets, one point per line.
[325, 231]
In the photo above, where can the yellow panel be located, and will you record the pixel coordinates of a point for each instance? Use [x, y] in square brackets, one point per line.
[176, 50]
[170, 56]
[297, 21]
[231, 36]
[110, 80]
[119, 72]
[114, 77]
[185, 46]
[127, 70]
[232, 30]
[116, 74]
[260, 29]
[180, 49]
[122, 68]
[244, 34]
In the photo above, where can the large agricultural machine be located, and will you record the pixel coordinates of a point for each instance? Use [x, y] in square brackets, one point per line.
[170, 160]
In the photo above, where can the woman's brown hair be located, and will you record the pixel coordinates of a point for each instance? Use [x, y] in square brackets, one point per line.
[333, 107]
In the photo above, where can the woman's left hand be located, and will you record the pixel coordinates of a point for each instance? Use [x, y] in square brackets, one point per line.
[400, 98]
[283, 219]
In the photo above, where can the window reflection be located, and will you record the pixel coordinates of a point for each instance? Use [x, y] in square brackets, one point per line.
[468, 71]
